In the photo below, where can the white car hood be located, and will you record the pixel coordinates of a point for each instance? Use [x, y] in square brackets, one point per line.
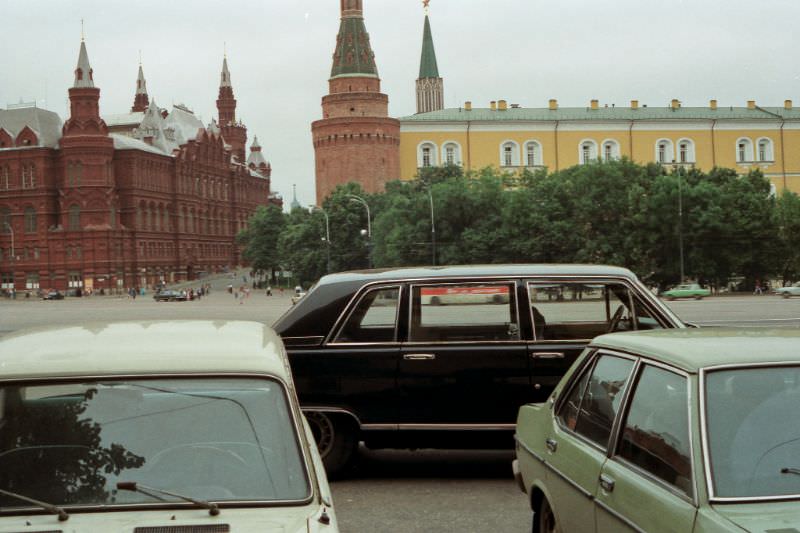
[301, 519]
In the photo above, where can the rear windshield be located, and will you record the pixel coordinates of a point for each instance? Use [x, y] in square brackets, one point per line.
[753, 418]
[215, 439]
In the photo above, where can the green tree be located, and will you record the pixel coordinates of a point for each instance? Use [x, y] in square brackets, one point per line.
[260, 239]
[788, 237]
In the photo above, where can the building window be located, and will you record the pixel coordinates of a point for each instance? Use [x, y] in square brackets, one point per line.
[5, 220]
[450, 154]
[686, 151]
[75, 280]
[765, 150]
[74, 217]
[744, 150]
[4, 172]
[588, 152]
[509, 154]
[30, 220]
[610, 150]
[533, 154]
[665, 153]
[426, 155]
[32, 280]
[6, 280]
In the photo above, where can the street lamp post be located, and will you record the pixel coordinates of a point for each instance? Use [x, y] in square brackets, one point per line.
[433, 228]
[327, 236]
[354, 198]
[680, 216]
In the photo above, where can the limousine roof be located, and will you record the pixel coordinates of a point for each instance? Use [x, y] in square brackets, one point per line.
[315, 314]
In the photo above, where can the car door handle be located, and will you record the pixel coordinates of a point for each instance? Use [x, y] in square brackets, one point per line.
[606, 483]
[547, 355]
[419, 356]
[551, 444]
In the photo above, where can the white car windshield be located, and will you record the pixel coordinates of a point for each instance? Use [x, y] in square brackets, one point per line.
[218, 439]
[754, 431]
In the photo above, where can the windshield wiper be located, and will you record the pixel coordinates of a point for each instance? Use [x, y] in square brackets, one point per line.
[53, 509]
[790, 471]
[133, 486]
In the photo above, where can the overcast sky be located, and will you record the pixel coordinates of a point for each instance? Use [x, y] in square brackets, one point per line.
[279, 53]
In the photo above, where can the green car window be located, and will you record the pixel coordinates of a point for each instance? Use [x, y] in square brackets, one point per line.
[656, 432]
[753, 431]
[600, 399]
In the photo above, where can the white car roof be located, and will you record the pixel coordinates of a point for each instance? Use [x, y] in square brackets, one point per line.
[144, 347]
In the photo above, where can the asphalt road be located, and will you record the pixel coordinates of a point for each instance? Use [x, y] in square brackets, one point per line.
[392, 491]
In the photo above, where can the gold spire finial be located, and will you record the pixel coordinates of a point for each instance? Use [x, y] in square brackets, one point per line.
[224, 49]
[81, 30]
[140, 57]
[425, 5]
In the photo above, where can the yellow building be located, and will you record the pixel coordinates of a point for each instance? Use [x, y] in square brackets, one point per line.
[511, 137]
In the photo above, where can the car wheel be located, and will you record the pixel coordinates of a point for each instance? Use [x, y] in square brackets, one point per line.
[698, 297]
[436, 301]
[786, 295]
[545, 520]
[336, 440]
[671, 298]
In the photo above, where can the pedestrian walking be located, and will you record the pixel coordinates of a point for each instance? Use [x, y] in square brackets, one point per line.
[269, 290]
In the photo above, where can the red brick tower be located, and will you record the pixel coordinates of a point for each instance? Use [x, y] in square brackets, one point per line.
[86, 149]
[355, 140]
[141, 100]
[234, 133]
[88, 203]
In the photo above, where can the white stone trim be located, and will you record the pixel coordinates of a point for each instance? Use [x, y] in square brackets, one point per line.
[457, 156]
[538, 153]
[615, 151]
[434, 153]
[770, 150]
[691, 156]
[592, 151]
[515, 153]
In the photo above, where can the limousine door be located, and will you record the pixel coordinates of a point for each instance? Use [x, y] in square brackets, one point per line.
[566, 315]
[464, 363]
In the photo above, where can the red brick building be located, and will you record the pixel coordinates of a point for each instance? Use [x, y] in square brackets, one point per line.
[356, 140]
[160, 197]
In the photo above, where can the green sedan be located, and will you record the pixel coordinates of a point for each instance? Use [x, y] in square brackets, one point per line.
[686, 290]
[691, 430]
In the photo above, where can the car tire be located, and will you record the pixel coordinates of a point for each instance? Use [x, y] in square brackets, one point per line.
[544, 520]
[337, 440]
[786, 295]
[435, 300]
[698, 297]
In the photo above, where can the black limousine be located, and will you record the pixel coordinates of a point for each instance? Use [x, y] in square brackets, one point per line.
[443, 357]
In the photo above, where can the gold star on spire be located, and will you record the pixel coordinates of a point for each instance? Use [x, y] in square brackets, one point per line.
[425, 5]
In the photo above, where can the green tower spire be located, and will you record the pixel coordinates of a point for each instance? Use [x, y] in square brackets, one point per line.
[353, 55]
[427, 63]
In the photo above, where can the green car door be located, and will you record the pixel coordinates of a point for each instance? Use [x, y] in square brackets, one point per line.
[651, 467]
[576, 447]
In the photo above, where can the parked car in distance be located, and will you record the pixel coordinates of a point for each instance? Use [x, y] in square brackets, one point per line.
[686, 290]
[692, 430]
[167, 295]
[110, 427]
[53, 295]
[789, 291]
[377, 360]
[297, 296]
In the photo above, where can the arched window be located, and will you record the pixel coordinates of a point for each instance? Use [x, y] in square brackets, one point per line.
[610, 150]
[744, 150]
[665, 152]
[30, 220]
[4, 174]
[533, 154]
[32, 176]
[509, 154]
[5, 220]
[112, 217]
[765, 152]
[451, 153]
[587, 151]
[74, 217]
[426, 155]
[686, 151]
